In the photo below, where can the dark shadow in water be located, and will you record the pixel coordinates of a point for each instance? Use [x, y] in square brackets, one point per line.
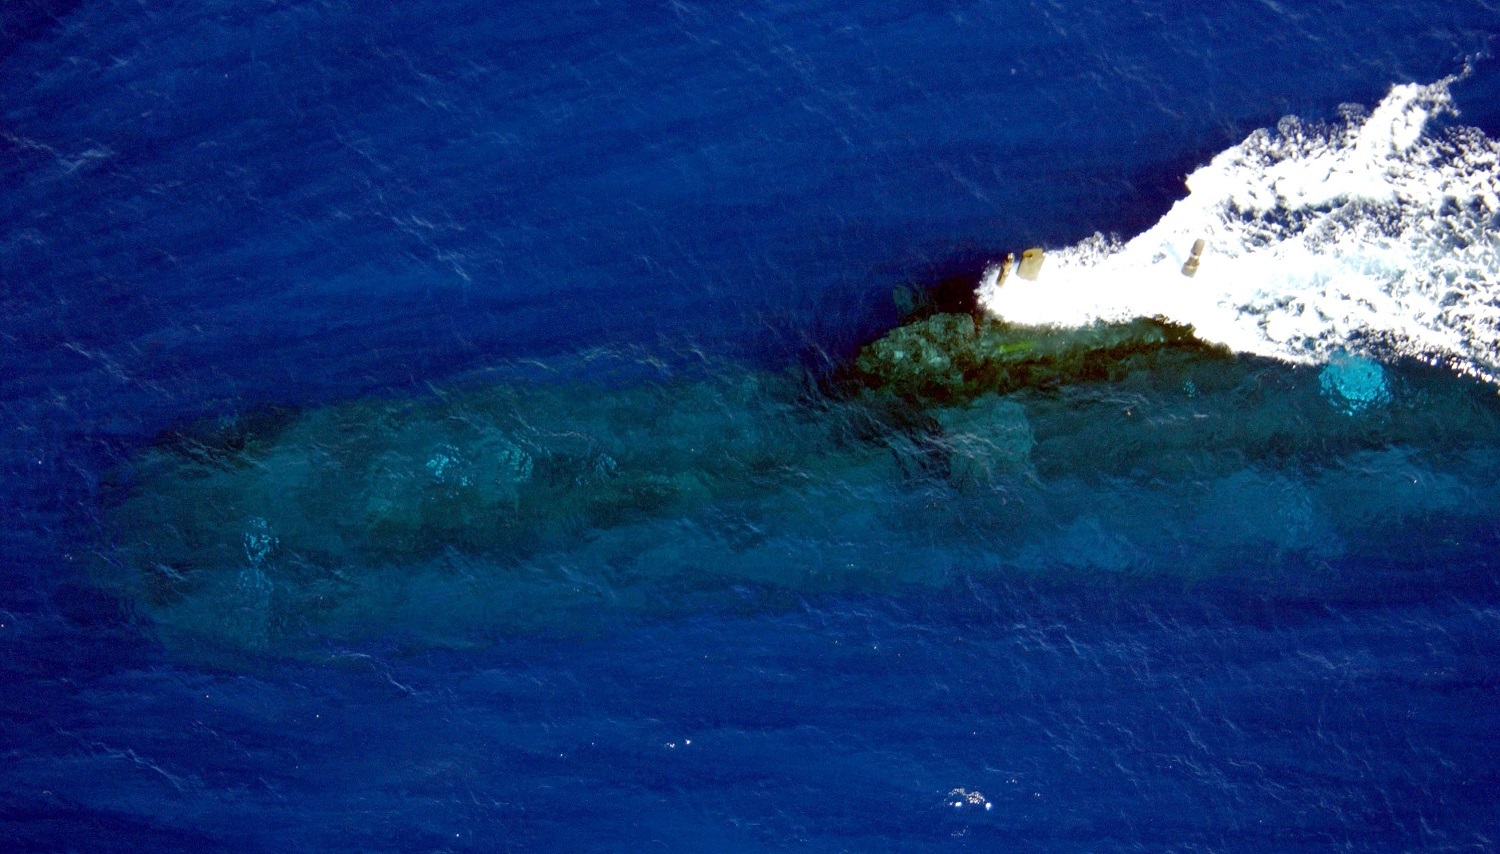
[946, 453]
[27, 20]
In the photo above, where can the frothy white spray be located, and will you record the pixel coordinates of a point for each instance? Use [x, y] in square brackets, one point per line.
[1375, 236]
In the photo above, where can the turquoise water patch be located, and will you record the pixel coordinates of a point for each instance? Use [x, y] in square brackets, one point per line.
[531, 504]
[1354, 384]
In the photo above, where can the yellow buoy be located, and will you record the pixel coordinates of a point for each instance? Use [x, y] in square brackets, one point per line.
[1190, 266]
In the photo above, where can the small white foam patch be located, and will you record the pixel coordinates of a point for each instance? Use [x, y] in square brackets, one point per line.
[1373, 236]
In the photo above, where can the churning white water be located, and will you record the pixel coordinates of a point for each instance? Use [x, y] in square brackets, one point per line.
[1378, 235]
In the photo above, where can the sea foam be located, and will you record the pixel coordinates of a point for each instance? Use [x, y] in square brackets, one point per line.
[1378, 235]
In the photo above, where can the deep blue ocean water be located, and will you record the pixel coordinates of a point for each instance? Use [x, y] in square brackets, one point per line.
[210, 209]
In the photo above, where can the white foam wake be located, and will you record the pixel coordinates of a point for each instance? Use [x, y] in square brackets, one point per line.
[1376, 236]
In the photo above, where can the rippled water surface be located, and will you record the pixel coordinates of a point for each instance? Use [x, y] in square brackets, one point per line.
[552, 427]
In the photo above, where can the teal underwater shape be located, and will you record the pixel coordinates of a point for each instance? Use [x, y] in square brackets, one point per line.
[946, 448]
